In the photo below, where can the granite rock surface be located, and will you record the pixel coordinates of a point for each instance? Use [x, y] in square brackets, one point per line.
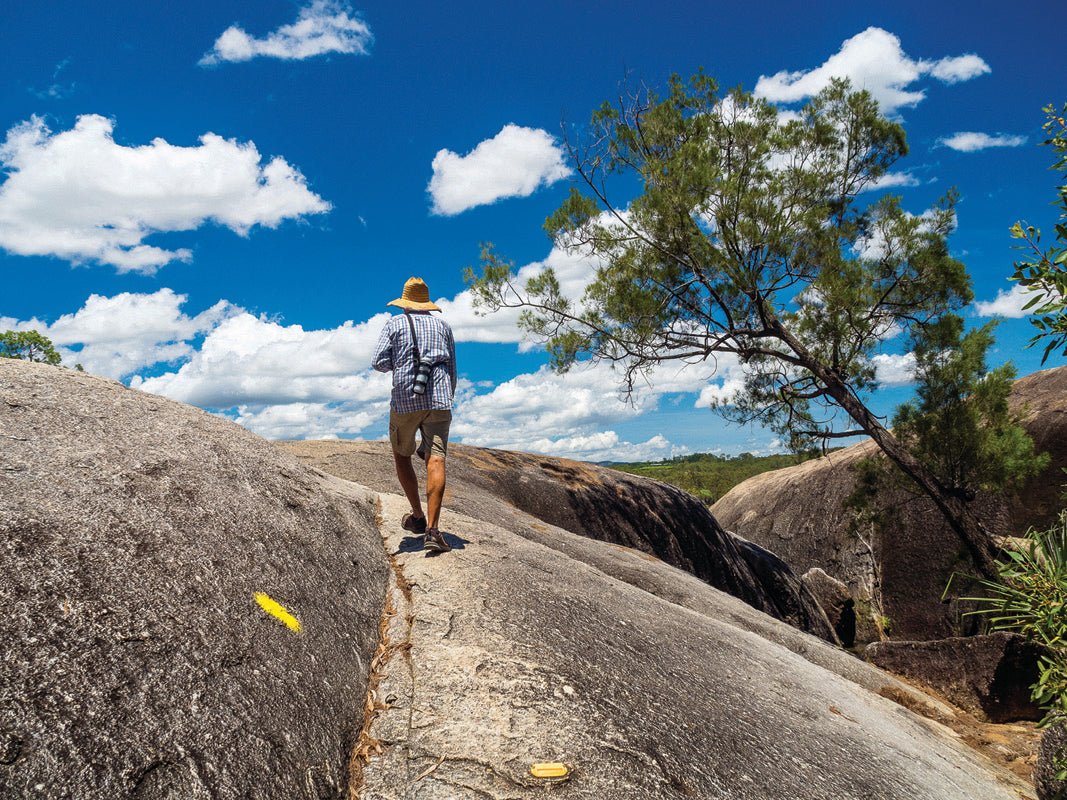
[134, 533]
[505, 652]
[988, 675]
[526, 492]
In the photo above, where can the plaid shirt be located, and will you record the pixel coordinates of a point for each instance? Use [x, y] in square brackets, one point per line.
[396, 352]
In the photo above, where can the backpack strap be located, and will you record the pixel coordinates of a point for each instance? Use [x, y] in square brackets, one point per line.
[414, 341]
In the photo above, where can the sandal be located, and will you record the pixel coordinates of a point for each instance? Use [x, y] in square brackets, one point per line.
[414, 524]
[435, 541]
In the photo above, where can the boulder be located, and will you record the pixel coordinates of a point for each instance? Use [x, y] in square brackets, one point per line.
[134, 533]
[896, 571]
[1051, 758]
[836, 602]
[990, 676]
[527, 491]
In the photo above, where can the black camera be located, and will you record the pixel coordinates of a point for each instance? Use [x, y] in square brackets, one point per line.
[422, 377]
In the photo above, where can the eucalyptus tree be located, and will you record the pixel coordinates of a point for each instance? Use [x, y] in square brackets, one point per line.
[746, 240]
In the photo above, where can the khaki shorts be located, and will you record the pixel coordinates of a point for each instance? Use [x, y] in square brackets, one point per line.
[433, 425]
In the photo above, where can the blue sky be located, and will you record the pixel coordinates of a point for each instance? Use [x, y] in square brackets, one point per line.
[215, 202]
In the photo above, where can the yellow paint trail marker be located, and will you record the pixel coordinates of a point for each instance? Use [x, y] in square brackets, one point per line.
[277, 610]
[553, 769]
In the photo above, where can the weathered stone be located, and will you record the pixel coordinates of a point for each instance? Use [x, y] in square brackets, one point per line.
[134, 660]
[990, 676]
[1051, 758]
[507, 652]
[836, 602]
[135, 664]
[897, 571]
[526, 491]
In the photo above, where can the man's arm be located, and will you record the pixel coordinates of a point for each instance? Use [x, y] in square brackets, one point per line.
[383, 352]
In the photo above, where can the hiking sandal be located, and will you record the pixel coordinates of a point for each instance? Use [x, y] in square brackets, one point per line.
[414, 524]
[435, 541]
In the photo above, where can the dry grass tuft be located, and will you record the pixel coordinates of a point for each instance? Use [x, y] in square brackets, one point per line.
[366, 745]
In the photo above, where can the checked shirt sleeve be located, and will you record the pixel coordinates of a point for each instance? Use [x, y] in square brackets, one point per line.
[383, 351]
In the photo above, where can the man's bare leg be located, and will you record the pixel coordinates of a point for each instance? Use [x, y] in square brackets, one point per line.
[435, 488]
[409, 482]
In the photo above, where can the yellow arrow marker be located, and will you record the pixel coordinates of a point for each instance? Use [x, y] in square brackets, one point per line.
[277, 610]
[550, 770]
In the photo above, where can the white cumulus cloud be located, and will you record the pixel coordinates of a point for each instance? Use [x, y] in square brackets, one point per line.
[894, 370]
[324, 26]
[1008, 303]
[607, 446]
[956, 69]
[891, 180]
[80, 196]
[873, 60]
[571, 414]
[286, 381]
[574, 271]
[557, 415]
[544, 405]
[723, 391]
[970, 141]
[310, 420]
[253, 361]
[514, 163]
[117, 336]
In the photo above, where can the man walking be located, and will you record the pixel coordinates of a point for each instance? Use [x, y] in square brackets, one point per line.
[421, 353]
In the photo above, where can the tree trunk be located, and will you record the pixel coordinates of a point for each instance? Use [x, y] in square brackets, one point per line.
[955, 510]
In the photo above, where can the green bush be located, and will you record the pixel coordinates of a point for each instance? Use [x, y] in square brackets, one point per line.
[1044, 269]
[1031, 598]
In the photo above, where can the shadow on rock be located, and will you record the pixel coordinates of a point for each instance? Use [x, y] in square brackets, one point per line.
[412, 544]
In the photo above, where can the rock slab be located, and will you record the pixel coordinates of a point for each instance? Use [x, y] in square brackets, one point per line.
[1052, 753]
[507, 652]
[134, 532]
[836, 602]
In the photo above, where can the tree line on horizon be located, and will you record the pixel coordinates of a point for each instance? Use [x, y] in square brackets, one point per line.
[708, 476]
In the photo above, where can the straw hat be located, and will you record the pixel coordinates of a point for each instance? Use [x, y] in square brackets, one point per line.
[416, 297]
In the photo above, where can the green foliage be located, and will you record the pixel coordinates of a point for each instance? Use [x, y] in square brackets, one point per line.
[28, 346]
[746, 240]
[1044, 271]
[959, 423]
[708, 476]
[1030, 597]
